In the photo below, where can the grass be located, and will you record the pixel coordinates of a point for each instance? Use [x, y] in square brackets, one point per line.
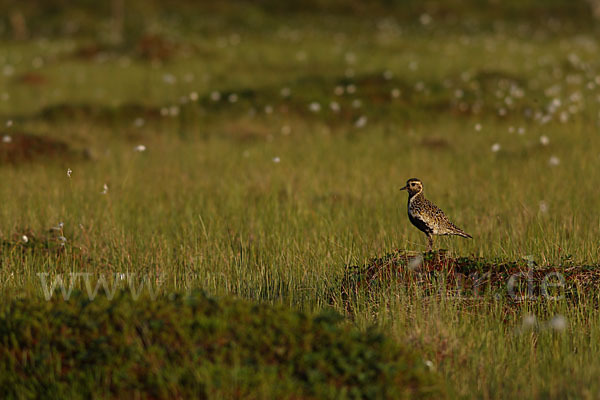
[266, 200]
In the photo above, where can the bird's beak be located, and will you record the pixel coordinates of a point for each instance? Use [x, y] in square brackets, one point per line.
[404, 188]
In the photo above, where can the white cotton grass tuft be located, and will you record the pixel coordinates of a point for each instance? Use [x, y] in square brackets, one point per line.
[415, 262]
[139, 122]
[429, 364]
[140, 148]
[69, 172]
[361, 122]
[104, 189]
[285, 92]
[24, 238]
[529, 321]
[276, 160]
[496, 147]
[554, 161]
[544, 140]
[314, 107]
[558, 323]
[6, 139]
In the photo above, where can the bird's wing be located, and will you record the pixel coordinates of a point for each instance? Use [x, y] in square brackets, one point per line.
[442, 219]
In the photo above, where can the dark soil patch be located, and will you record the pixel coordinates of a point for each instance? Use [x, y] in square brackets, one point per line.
[21, 147]
[32, 79]
[71, 111]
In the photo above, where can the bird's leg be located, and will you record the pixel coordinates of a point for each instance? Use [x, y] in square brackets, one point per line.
[429, 242]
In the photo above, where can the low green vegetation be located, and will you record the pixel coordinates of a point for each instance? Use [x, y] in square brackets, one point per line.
[254, 152]
[195, 346]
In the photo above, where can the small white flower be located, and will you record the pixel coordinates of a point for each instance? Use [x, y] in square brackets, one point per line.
[554, 161]
[478, 127]
[356, 103]
[558, 323]
[334, 106]
[139, 148]
[286, 130]
[69, 172]
[193, 96]
[24, 238]
[496, 147]
[104, 189]
[395, 93]
[521, 131]
[232, 98]
[62, 239]
[215, 96]
[361, 122]
[6, 139]
[339, 90]
[429, 364]
[9, 123]
[139, 122]
[351, 88]
[544, 140]
[543, 207]
[268, 109]
[387, 74]
[285, 92]
[314, 107]
[276, 160]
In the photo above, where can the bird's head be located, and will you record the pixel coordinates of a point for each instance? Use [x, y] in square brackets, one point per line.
[414, 186]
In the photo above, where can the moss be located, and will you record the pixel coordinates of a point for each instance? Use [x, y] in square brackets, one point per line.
[196, 346]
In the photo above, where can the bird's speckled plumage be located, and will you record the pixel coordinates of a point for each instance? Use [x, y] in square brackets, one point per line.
[426, 216]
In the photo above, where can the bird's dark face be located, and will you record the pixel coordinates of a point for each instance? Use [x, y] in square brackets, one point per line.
[413, 186]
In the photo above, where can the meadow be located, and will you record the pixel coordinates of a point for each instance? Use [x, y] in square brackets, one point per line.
[257, 155]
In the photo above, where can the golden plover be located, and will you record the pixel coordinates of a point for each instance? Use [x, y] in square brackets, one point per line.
[426, 216]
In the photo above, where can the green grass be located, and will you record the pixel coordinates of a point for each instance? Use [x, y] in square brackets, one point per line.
[207, 207]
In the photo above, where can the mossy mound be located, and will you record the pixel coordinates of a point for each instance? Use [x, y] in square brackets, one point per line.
[196, 347]
[439, 273]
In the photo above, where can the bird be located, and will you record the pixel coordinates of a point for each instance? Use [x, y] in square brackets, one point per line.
[428, 217]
